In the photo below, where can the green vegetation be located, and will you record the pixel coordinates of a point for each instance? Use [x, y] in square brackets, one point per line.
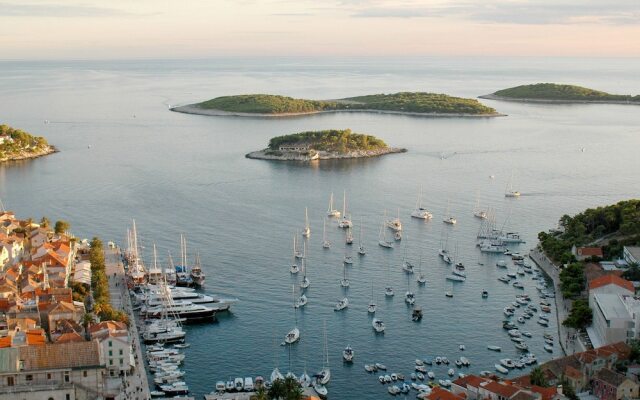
[17, 143]
[287, 389]
[61, 227]
[333, 140]
[621, 220]
[100, 286]
[580, 315]
[572, 280]
[416, 102]
[553, 91]
[632, 273]
[536, 377]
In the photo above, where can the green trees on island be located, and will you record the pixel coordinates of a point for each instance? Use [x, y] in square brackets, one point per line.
[580, 315]
[553, 91]
[332, 140]
[15, 142]
[417, 102]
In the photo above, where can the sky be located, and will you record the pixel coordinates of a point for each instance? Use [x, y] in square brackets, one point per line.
[111, 29]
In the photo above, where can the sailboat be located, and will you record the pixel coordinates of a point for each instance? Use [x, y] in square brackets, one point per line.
[197, 275]
[347, 354]
[444, 252]
[388, 290]
[345, 222]
[382, 241]
[509, 191]
[448, 218]
[407, 266]
[409, 297]
[349, 237]
[294, 269]
[325, 243]
[479, 212]
[361, 249]
[324, 376]
[182, 276]
[344, 282]
[378, 325]
[305, 280]
[421, 212]
[306, 232]
[294, 334]
[371, 308]
[302, 301]
[422, 279]
[296, 252]
[332, 212]
[395, 224]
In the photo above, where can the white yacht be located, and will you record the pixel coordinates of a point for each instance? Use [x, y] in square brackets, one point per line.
[348, 353]
[361, 250]
[294, 334]
[325, 243]
[378, 325]
[395, 224]
[182, 309]
[345, 222]
[421, 212]
[382, 241]
[348, 239]
[306, 232]
[332, 212]
[510, 191]
[302, 301]
[344, 282]
[371, 308]
[388, 291]
[448, 218]
[342, 304]
[324, 376]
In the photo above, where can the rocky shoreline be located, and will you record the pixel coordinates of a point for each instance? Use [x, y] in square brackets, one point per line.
[322, 155]
[552, 101]
[27, 156]
[193, 109]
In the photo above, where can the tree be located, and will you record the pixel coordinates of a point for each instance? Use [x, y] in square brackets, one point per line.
[580, 316]
[537, 377]
[567, 389]
[44, 222]
[261, 394]
[633, 273]
[61, 227]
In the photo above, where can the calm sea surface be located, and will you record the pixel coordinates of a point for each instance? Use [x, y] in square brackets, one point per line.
[177, 173]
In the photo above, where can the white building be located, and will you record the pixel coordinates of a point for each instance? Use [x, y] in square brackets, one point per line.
[116, 346]
[631, 254]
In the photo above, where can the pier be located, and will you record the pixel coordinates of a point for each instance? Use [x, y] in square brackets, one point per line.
[135, 385]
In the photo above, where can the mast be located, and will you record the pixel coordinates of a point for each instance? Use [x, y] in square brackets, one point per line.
[344, 204]
[330, 203]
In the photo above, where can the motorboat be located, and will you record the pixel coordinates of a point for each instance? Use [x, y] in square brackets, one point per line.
[293, 336]
[341, 305]
[394, 390]
[381, 367]
[431, 375]
[485, 294]
[421, 368]
[450, 220]
[347, 354]
[548, 348]
[397, 236]
[388, 291]
[248, 384]
[501, 264]
[394, 224]
[543, 322]
[507, 362]
[501, 369]
[504, 279]
[370, 368]
[420, 376]
[378, 326]
[455, 278]
[451, 372]
[302, 301]
[409, 298]
[522, 346]
[518, 284]
[465, 361]
[416, 314]
[448, 294]
[229, 386]
[175, 388]
[407, 267]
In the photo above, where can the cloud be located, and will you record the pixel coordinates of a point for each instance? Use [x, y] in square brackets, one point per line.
[57, 10]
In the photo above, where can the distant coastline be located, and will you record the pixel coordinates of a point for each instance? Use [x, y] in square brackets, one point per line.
[194, 109]
[555, 101]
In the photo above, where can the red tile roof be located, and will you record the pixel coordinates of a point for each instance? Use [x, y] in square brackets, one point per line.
[611, 280]
[590, 251]
[470, 380]
[501, 389]
[442, 394]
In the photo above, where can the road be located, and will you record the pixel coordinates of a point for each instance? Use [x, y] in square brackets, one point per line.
[567, 337]
[134, 385]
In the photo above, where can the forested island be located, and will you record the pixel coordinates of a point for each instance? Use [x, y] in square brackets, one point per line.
[409, 103]
[323, 145]
[16, 144]
[556, 93]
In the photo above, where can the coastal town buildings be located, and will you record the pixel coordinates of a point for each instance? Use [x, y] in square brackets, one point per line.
[583, 253]
[631, 254]
[616, 314]
[611, 385]
[49, 348]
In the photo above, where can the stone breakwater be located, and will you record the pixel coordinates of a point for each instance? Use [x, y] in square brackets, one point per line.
[320, 155]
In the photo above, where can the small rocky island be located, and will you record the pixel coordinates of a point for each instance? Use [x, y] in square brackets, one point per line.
[556, 93]
[16, 144]
[323, 145]
[406, 103]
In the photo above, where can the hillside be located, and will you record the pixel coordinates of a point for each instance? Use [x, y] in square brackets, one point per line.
[419, 103]
[16, 144]
[563, 93]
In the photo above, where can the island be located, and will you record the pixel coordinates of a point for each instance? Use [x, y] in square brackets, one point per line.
[557, 93]
[16, 144]
[323, 145]
[407, 103]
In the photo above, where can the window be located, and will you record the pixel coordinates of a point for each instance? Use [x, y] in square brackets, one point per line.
[110, 362]
[10, 381]
[68, 397]
[51, 398]
[121, 361]
[66, 376]
[84, 374]
[48, 376]
[110, 353]
[120, 351]
[28, 378]
[110, 343]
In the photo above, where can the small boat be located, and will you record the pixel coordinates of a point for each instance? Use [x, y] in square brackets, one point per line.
[501, 264]
[387, 379]
[548, 336]
[465, 361]
[548, 348]
[485, 294]
[420, 376]
[522, 346]
[381, 367]
[543, 322]
[451, 372]
[388, 291]
[394, 377]
[158, 393]
[507, 362]
[504, 279]
[341, 305]
[494, 348]
[421, 368]
[419, 361]
[431, 375]
[229, 386]
[248, 384]
[238, 384]
[397, 236]
[501, 369]
[416, 314]
[326, 244]
[306, 231]
[421, 212]
[462, 347]
[549, 342]
[347, 354]
[370, 368]
[382, 241]
[444, 382]
[527, 334]
[518, 284]
[413, 376]
[448, 294]
[378, 326]
[394, 390]
[381, 379]
[219, 387]
[181, 345]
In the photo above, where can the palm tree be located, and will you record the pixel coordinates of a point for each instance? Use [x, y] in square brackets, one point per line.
[261, 394]
[536, 377]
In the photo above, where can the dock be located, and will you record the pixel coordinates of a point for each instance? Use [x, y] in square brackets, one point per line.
[135, 386]
[306, 393]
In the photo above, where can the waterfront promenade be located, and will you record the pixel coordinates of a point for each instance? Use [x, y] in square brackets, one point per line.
[135, 385]
[567, 337]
